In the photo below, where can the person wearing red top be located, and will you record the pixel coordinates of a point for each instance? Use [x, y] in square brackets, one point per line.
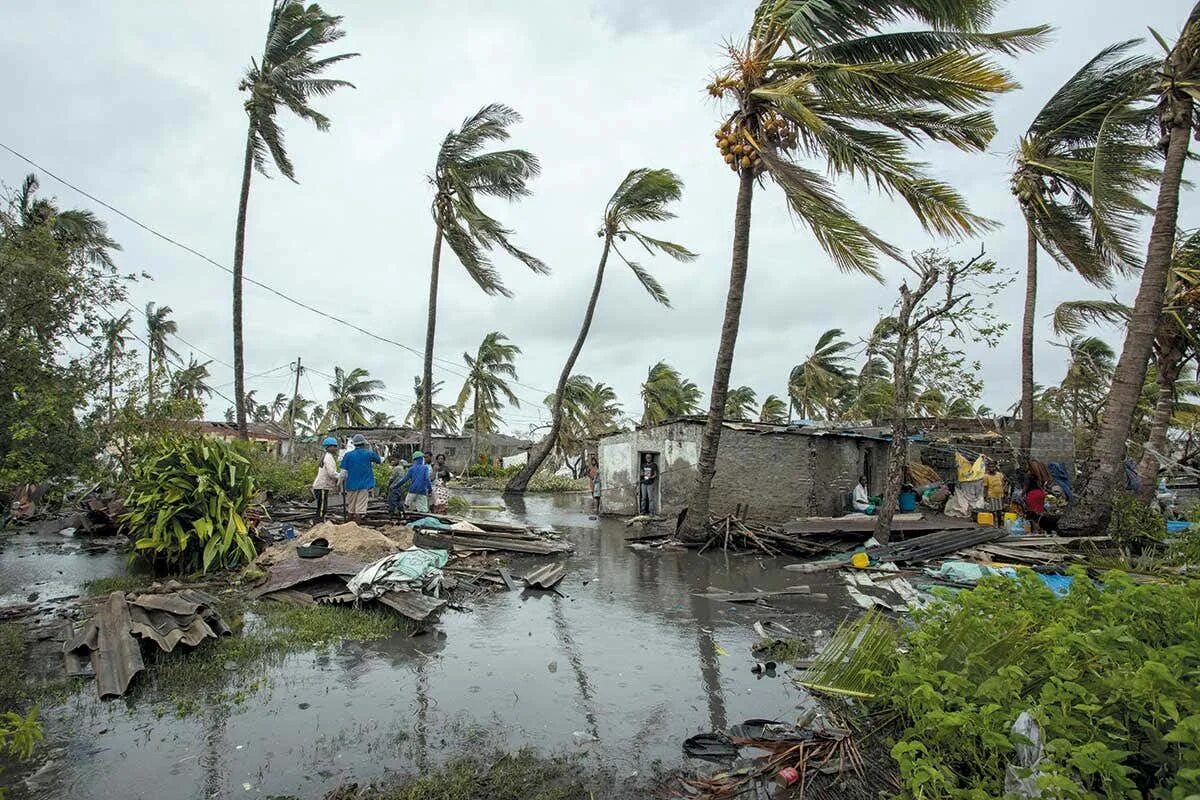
[1035, 507]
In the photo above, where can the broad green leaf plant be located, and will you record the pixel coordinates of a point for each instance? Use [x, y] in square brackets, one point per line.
[187, 504]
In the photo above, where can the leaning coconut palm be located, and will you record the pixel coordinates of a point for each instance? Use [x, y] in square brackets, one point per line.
[773, 411]
[740, 404]
[645, 195]
[486, 386]
[1176, 341]
[814, 384]
[159, 326]
[190, 382]
[1178, 79]
[115, 335]
[463, 173]
[286, 75]
[818, 79]
[1079, 169]
[349, 395]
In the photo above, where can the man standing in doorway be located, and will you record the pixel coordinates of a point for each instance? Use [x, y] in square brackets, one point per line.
[360, 476]
[648, 484]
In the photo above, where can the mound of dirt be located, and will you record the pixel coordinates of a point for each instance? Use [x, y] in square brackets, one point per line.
[350, 540]
[400, 535]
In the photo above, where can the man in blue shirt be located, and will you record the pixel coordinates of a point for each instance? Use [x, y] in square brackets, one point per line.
[360, 476]
[419, 480]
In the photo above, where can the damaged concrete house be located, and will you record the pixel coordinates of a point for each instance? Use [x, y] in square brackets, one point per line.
[404, 441]
[782, 472]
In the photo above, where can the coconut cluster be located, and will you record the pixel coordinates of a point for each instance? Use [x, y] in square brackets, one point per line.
[738, 149]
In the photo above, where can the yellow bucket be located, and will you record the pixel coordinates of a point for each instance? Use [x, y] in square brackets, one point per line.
[860, 560]
[1009, 518]
[986, 518]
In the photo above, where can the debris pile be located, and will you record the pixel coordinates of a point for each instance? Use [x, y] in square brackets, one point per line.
[109, 645]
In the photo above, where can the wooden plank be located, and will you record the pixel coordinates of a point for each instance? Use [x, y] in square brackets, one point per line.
[414, 605]
[507, 577]
[750, 597]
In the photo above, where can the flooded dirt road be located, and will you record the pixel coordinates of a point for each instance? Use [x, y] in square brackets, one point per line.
[620, 669]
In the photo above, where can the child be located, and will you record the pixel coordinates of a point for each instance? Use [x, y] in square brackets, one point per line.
[993, 492]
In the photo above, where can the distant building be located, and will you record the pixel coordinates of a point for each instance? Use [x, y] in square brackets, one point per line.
[404, 441]
[273, 438]
[782, 472]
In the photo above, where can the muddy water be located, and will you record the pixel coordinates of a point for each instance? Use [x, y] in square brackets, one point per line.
[52, 566]
[620, 669]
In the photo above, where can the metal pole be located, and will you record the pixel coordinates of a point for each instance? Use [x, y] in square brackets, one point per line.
[295, 400]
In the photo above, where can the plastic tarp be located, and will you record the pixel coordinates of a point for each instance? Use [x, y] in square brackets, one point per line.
[397, 571]
[1059, 473]
[966, 500]
[429, 522]
[967, 571]
[969, 470]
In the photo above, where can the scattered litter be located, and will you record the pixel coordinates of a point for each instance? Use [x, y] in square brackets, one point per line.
[399, 571]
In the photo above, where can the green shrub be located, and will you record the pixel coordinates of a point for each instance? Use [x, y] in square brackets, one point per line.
[279, 480]
[550, 482]
[1109, 673]
[187, 501]
[1134, 523]
[478, 470]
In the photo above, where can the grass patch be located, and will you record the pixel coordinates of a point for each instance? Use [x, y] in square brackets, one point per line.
[235, 667]
[117, 583]
[506, 776]
[782, 650]
[12, 667]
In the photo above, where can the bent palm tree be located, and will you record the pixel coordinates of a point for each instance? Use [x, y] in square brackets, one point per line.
[486, 386]
[462, 174]
[740, 404]
[814, 384]
[115, 335]
[819, 79]
[444, 417]
[667, 394]
[158, 327]
[349, 395]
[1179, 81]
[1079, 167]
[287, 75]
[643, 196]
[773, 411]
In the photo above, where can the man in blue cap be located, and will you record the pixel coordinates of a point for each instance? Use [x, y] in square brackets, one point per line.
[360, 476]
[327, 476]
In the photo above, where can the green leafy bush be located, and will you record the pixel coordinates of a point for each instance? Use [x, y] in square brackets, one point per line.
[187, 503]
[489, 470]
[550, 482]
[1134, 523]
[1111, 673]
[279, 480]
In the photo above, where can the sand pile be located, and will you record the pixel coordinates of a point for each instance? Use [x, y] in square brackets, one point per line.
[349, 540]
[400, 535]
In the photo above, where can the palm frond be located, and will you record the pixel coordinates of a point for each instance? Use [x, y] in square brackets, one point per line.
[648, 281]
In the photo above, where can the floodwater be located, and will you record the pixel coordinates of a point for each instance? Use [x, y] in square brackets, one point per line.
[620, 669]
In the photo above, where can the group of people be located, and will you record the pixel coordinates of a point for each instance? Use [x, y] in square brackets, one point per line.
[419, 486]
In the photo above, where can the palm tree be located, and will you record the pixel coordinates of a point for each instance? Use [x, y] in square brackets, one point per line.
[115, 334]
[288, 75]
[462, 174]
[740, 404]
[158, 327]
[297, 415]
[444, 417]
[1079, 167]
[486, 386]
[599, 409]
[1179, 78]
[80, 233]
[645, 195]
[381, 419]
[666, 394]
[188, 383]
[773, 411]
[814, 384]
[278, 406]
[349, 395]
[819, 76]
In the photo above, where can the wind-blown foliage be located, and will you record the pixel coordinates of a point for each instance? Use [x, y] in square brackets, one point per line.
[667, 394]
[741, 404]
[814, 384]
[349, 396]
[486, 386]
[189, 383]
[159, 326]
[773, 410]
[463, 173]
[288, 76]
[444, 417]
[187, 504]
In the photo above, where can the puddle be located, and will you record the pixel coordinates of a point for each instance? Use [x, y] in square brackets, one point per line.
[52, 565]
[622, 668]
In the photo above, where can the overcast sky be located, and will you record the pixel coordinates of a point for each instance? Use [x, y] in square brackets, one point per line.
[137, 103]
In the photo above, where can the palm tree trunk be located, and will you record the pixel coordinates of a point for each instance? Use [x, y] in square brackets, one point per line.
[430, 329]
[697, 516]
[1169, 367]
[239, 259]
[1091, 512]
[1031, 283]
[475, 424]
[542, 449]
[150, 377]
[111, 404]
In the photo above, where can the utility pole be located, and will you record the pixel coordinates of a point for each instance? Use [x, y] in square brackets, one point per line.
[295, 399]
